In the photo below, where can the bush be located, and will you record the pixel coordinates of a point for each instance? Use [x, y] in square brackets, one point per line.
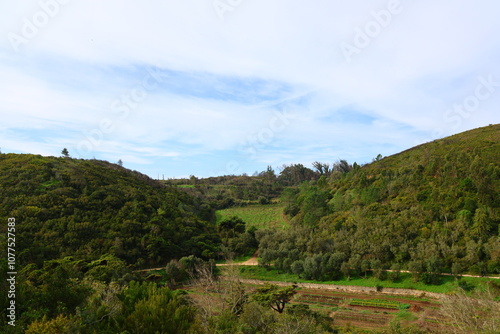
[466, 286]
[264, 200]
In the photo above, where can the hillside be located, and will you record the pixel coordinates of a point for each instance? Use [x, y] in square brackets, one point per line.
[87, 208]
[433, 208]
[84, 226]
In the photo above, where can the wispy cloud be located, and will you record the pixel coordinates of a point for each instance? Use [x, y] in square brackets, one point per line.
[167, 86]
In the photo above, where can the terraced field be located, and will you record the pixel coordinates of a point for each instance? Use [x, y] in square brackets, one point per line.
[372, 311]
[260, 216]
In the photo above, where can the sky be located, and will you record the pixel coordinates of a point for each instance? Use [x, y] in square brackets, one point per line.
[223, 87]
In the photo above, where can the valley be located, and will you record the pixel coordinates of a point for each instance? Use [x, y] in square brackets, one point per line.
[406, 243]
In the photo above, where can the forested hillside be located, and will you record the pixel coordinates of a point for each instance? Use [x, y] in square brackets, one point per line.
[433, 208]
[82, 227]
[87, 208]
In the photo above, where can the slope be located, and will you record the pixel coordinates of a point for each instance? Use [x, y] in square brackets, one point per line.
[87, 208]
[433, 208]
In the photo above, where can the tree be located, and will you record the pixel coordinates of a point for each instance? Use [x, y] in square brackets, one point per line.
[295, 174]
[456, 270]
[231, 226]
[474, 313]
[234, 295]
[312, 267]
[161, 310]
[60, 324]
[346, 270]
[354, 264]
[297, 267]
[120, 163]
[342, 166]
[416, 268]
[365, 266]
[394, 275]
[257, 318]
[272, 296]
[482, 224]
[175, 272]
[322, 168]
[433, 269]
[65, 153]
[269, 174]
[378, 270]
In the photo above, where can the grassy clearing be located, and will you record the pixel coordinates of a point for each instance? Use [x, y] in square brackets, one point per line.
[260, 216]
[237, 259]
[406, 316]
[448, 283]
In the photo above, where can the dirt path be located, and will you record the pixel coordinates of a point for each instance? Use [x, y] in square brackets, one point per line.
[446, 274]
[250, 262]
[347, 288]
[253, 261]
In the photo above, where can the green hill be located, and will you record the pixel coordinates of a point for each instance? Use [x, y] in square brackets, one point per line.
[87, 208]
[433, 208]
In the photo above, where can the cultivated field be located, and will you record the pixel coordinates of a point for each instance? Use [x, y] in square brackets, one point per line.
[368, 311]
[260, 216]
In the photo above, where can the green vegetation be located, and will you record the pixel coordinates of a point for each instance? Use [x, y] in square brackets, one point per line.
[318, 299]
[379, 303]
[137, 308]
[226, 191]
[449, 284]
[274, 297]
[405, 315]
[84, 227]
[431, 209]
[259, 216]
[85, 209]
[80, 221]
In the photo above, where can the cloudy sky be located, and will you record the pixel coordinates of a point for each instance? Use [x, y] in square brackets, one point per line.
[201, 87]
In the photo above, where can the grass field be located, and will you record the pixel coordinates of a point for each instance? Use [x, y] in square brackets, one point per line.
[260, 216]
[448, 282]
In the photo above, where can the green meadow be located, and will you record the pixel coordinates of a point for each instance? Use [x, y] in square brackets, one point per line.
[260, 216]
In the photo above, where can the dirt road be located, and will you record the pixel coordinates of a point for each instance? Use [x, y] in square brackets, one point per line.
[250, 262]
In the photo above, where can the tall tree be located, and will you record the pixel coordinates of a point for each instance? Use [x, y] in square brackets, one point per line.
[65, 153]
[274, 297]
[322, 168]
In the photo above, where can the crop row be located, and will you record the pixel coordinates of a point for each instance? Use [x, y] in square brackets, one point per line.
[321, 297]
[361, 317]
[378, 303]
[329, 303]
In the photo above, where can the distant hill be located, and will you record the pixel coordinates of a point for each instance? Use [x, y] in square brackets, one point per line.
[435, 207]
[86, 208]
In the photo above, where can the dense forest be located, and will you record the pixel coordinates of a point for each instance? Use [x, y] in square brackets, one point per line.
[84, 228]
[81, 225]
[85, 209]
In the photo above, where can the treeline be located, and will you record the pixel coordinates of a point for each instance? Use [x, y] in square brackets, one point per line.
[431, 209]
[263, 187]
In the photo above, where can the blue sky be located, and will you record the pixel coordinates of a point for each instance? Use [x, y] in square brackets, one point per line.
[205, 88]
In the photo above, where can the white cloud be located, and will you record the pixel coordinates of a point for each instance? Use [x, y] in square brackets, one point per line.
[90, 53]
